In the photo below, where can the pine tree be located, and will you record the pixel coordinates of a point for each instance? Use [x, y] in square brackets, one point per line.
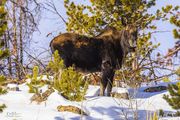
[72, 85]
[91, 19]
[3, 26]
[36, 82]
[67, 81]
[174, 98]
[3, 53]
[174, 89]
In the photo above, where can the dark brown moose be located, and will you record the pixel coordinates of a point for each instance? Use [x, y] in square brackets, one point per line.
[104, 52]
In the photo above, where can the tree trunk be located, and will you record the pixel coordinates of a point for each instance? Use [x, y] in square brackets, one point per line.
[21, 39]
[15, 43]
[7, 45]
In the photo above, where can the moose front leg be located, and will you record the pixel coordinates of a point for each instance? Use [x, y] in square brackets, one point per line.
[103, 85]
[107, 78]
[110, 83]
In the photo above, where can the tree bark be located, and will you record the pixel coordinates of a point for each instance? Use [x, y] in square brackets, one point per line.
[21, 39]
[15, 43]
[9, 57]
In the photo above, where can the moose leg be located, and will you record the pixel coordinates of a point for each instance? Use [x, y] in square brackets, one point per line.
[103, 85]
[107, 73]
[110, 83]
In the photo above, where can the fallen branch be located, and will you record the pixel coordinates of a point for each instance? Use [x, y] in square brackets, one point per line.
[70, 108]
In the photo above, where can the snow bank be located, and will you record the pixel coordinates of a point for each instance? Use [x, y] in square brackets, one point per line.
[19, 106]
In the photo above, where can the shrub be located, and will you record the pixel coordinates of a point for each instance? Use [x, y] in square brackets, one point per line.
[161, 113]
[71, 85]
[67, 81]
[2, 80]
[36, 82]
[3, 52]
[2, 107]
[174, 98]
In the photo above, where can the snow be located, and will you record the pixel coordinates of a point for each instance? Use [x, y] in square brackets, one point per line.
[12, 85]
[93, 91]
[119, 90]
[19, 106]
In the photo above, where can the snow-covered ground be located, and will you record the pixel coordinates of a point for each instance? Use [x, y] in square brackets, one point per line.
[19, 106]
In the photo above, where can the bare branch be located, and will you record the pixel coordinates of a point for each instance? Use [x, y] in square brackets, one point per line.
[54, 10]
[35, 59]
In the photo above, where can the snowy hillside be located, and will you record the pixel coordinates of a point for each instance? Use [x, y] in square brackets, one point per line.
[19, 106]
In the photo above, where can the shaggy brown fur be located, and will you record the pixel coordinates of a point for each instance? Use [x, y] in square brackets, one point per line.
[104, 52]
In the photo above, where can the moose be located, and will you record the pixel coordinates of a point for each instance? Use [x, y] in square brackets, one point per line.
[103, 53]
